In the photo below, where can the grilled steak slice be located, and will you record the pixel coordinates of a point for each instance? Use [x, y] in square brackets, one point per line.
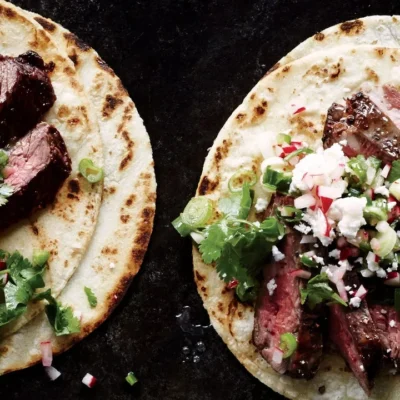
[388, 331]
[354, 333]
[366, 128]
[26, 94]
[38, 164]
[280, 311]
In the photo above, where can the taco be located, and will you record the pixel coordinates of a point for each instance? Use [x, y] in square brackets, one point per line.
[111, 162]
[295, 220]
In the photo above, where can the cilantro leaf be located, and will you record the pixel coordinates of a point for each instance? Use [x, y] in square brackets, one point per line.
[318, 291]
[92, 299]
[211, 247]
[61, 318]
[394, 173]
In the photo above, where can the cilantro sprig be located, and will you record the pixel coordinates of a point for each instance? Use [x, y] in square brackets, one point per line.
[60, 317]
[24, 279]
[92, 299]
[237, 246]
[318, 291]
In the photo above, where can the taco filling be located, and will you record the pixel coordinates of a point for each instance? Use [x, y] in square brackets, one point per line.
[318, 254]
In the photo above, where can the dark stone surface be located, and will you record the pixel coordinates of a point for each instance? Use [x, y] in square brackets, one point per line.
[187, 64]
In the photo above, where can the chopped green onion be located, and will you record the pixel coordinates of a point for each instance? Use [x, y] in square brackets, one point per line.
[283, 138]
[308, 262]
[288, 344]
[358, 166]
[394, 173]
[376, 212]
[197, 212]
[181, 227]
[384, 242]
[277, 181]
[90, 171]
[304, 150]
[40, 257]
[289, 214]
[131, 378]
[240, 177]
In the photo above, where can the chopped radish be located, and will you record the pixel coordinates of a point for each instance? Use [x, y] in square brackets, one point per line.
[319, 179]
[300, 273]
[304, 201]
[52, 373]
[308, 180]
[294, 160]
[347, 252]
[385, 171]
[341, 242]
[361, 292]
[342, 290]
[371, 257]
[394, 279]
[337, 172]
[89, 380]
[328, 226]
[339, 273]
[47, 353]
[232, 284]
[371, 172]
[299, 110]
[3, 265]
[308, 239]
[297, 144]
[277, 355]
[329, 192]
[278, 151]
[289, 149]
[4, 279]
[326, 203]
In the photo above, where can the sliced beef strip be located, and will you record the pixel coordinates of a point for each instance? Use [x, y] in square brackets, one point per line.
[353, 332]
[38, 165]
[366, 128]
[26, 93]
[388, 332]
[282, 311]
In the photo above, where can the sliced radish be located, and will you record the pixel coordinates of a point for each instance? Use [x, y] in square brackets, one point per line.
[330, 192]
[277, 355]
[347, 252]
[393, 279]
[89, 380]
[297, 144]
[289, 149]
[52, 373]
[337, 172]
[304, 201]
[339, 273]
[301, 273]
[361, 292]
[385, 171]
[328, 226]
[278, 151]
[47, 353]
[299, 110]
[232, 284]
[342, 290]
[319, 179]
[308, 180]
[308, 239]
[326, 203]
[294, 160]
[371, 257]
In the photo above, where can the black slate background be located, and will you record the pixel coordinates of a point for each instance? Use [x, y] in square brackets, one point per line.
[187, 64]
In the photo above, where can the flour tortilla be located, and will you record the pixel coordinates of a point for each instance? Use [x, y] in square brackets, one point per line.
[126, 215]
[66, 227]
[314, 81]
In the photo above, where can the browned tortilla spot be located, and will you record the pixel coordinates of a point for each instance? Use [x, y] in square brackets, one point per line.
[73, 186]
[319, 36]
[199, 277]
[286, 68]
[108, 250]
[130, 200]
[240, 117]
[206, 186]
[124, 163]
[125, 218]
[380, 51]
[78, 42]
[110, 104]
[47, 25]
[352, 27]
[74, 58]
[104, 65]
[35, 229]
[372, 75]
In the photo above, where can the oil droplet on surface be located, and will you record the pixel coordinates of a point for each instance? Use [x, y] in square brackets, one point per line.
[196, 359]
[200, 347]
[186, 350]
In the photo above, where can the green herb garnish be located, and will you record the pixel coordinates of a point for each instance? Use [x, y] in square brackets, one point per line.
[288, 344]
[277, 181]
[92, 299]
[131, 378]
[318, 291]
[61, 318]
[394, 173]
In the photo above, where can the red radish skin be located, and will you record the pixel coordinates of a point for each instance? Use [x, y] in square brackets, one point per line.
[289, 149]
[232, 284]
[89, 380]
[299, 110]
[47, 353]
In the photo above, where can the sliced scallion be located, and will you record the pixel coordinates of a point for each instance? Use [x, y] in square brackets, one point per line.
[91, 172]
[197, 212]
[304, 150]
[288, 344]
[283, 138]
[277, 181]
[40, 257]
[131, 378]
[181, 227]
[308, 262]
[240, 177]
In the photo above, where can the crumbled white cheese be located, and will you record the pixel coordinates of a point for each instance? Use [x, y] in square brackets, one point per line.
[383, 311]
[366, 273]
[345, 263]
[257, 224]
[335, 253]
[271, 286]
[395, 265]
[318, 222]
[343, 142]
[348, 212]
[278, 256]
[261, 205]
[319, 260]
[303, 228]
[348, 288]
[388, 350]
[112, 265]
[355, 301]
[316, 245]
[383, 190]
[359, 260]
[391, 204]
[392, 323]
[381, 273]
[361, 367]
